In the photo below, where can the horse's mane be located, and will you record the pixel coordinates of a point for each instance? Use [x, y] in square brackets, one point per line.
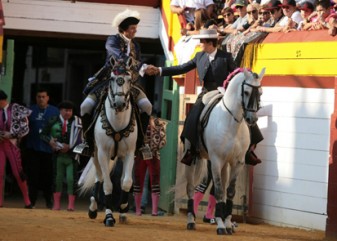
[231, 75]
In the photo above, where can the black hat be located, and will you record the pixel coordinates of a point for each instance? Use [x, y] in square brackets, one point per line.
[273, 4]
[3, 95]
[286, 3]
[66, 105]
[307, 6]
[126, 18]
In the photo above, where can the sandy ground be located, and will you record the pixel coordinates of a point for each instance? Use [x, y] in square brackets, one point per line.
[41, 224]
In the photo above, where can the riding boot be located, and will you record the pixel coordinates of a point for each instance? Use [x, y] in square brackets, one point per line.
[87, 147]
[209, 217]
[57, 200]
[138, 199]
[189, 156]
[198, 196]
[71, 202]
[155, 202]
[251, 158]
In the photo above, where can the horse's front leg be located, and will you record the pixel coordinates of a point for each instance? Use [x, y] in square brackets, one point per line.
[235, 170]
[189, 174]
[92, 212]
[104, 159]
[219, 178]
[126, 186]
[95, 196]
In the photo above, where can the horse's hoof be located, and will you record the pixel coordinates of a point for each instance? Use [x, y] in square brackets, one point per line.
[229, 231]
[123, 219]
[109, 221]
[191, 226]
[221, 231]
[92, 214]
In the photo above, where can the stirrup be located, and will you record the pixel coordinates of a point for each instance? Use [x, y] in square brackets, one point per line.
[83, 149]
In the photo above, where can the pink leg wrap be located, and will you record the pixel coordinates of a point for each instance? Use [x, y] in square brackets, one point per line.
[198, 196]
[210, 207]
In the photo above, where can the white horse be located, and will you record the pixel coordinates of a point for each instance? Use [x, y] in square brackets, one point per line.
[115, 136]
[226, 140]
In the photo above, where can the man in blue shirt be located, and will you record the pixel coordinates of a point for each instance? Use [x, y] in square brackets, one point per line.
[39, 153]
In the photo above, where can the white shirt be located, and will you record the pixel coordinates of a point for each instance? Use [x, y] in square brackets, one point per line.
[202, 4]
[296, 17]
[211, 56]
[189, 14]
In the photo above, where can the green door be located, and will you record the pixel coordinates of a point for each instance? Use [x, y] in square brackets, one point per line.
[6, 75]
[168, 155]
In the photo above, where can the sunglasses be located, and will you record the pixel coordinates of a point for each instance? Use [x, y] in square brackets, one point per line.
[227, 15]
[252, 12]
[272, 11]
[264, 13]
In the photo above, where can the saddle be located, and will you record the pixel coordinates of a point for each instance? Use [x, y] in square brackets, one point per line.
[210, 100]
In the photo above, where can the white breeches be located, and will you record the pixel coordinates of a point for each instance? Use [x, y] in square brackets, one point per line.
[89, 104]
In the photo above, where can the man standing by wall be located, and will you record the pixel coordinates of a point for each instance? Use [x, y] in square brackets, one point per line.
[39, 153]
[13, 126]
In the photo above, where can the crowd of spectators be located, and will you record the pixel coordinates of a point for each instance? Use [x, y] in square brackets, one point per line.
[239, 22]
[244, 16]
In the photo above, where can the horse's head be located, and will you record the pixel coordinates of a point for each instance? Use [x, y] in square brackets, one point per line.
[251, 92]
[120, 84]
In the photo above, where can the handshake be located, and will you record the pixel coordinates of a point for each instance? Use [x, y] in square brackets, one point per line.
[152, 70]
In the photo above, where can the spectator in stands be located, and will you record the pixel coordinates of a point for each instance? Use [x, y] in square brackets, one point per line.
[252, 17]
[265, 17]
[230, 4]
[265, 20]
[307, 9]
[63, 133]
[293, 15]
[38, 153]
[229, 19]
[13, 126]
[183, 8]
[278, 18]
[333, 20]
[325, 13]
[242, 20]
[204, 9]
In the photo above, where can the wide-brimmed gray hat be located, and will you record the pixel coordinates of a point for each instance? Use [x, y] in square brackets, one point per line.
[206, 34]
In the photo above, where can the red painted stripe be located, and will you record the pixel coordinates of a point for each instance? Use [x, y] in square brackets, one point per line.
[321, 82]
[299, 36]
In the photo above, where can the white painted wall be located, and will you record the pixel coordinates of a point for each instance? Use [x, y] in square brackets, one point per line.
[77, 18]
[290, 186]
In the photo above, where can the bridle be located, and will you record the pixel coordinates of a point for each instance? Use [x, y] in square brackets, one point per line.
[253, 104]
[120, 81]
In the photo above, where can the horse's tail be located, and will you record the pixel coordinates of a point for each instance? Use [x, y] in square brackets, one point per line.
[87, 179]
[88, 176]
[199, 171]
